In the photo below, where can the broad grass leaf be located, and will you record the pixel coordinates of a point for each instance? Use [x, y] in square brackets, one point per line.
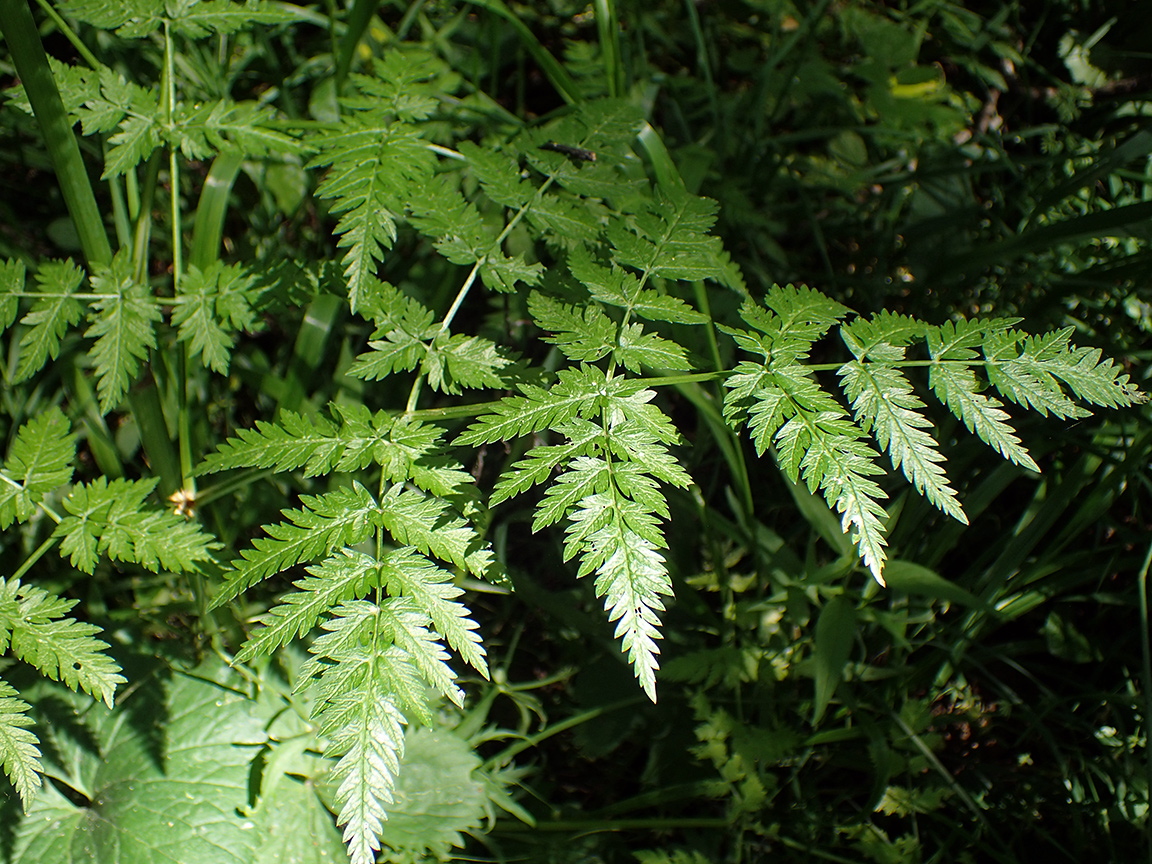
[835, 629]
[915, 579]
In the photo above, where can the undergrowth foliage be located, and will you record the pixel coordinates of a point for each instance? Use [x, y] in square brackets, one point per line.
[604, 265]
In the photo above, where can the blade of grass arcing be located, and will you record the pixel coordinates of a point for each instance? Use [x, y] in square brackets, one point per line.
[308, 352]
[1091, 226]
[208, 227]
[835, 630]
[100, 442]
[608, 27]
[359, 17]
[31, 64]
[149, 414]
[1146, 658]
[667, 176]
[549, 65]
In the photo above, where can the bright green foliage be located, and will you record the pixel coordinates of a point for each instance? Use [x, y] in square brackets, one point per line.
[19, 754]
[114, 519]
[410, 339]
[140, 18]
[39, 461]
[33, 626]
[211, 305]
[783, 405]
[122, 323]
[53, 312]
[11, 283]
[509, 235]
[372, 164]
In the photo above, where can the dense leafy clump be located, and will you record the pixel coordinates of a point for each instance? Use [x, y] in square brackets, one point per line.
[603, 283]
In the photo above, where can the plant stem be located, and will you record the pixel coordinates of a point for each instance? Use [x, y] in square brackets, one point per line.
[31, 63]
[1146, 655]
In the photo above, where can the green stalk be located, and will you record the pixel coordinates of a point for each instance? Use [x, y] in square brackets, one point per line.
[608, 27]
[1146, 652]
[359, 17]
[208, 227]
[32, 68]
[552, 68]
[149, 414]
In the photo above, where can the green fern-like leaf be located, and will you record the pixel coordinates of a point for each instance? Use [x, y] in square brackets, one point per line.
[499, 175]
[583, 335]
[884, 404]
[345, 576]
[373, 166]
[956, 386]
[1028, 370]
[122, 324]
[582, 437]
[455, 362]
[32, 623]
[135, 19]
[202, 130]
[608, 489]
[19, 751]
[367, 734]
[39, 461]
[431, 591]
[618, 287]
[430, 524]
[11, 287]
[373, 666]
[112, 519]
[343, 517]
[670, 240]
[576, 393]
[408, 83]
[210, 306]
[53, 312]
[354, 439]
[618, 539]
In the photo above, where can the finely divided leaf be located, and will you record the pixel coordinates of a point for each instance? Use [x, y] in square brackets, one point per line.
[63, 649]
[1020, 369]
[951, 345]
[122, 324]
[454, 362]
[374, 166]
[343, 517]
[11, 287]
[884, 404]
[618, 287]
[842, 466]
[406, 573]
[19, 754]
[358, 709]
[670, 240]
[113, 519]
[617, 540]
[499, 175]
[321, 446]
[52, 313]
[576, 393]
[583, 335]
[637, 349]
[212, 304]
[348, 575]
[428, 523]
[39, 461]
